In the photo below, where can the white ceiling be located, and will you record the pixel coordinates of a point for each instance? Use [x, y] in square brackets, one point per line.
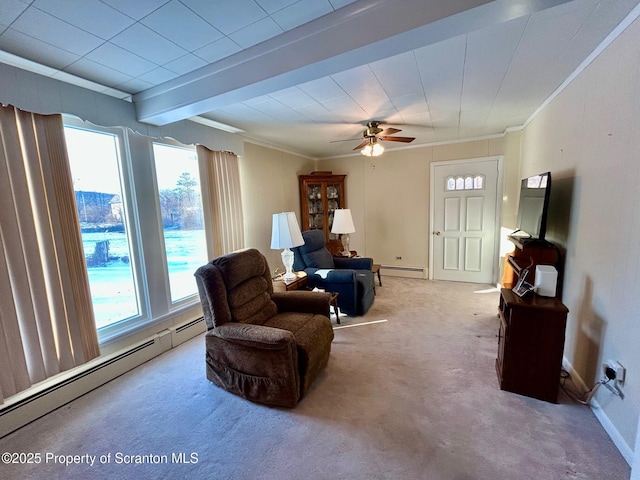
[299, 74]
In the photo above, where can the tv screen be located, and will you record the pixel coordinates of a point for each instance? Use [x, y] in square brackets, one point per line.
[533, 205]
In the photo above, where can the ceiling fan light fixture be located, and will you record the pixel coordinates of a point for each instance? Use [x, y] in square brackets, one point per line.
[372, 149]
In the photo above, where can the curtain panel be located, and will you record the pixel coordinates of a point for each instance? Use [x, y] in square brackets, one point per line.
[222, 187]
[46, 315]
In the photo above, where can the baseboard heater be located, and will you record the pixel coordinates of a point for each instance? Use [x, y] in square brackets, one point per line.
[87, 377]
[188, 325]
[405, 269]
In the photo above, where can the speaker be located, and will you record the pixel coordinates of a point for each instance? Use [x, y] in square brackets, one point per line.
[546, 280]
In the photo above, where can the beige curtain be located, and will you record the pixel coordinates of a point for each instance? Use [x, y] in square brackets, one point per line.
[222, 188]
[46, 316]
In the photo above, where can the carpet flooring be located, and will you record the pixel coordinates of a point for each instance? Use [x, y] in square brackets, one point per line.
[415, 397]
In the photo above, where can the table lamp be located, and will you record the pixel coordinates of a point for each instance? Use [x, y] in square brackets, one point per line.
[285, 233]
[343, 225]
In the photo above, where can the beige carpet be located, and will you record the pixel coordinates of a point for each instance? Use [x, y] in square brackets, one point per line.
[415, 397]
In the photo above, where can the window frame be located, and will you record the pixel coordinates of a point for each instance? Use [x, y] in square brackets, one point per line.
[144, 223]
[132, 226]
[190, 299]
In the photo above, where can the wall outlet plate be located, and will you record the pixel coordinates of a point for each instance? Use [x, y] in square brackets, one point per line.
[619, 370]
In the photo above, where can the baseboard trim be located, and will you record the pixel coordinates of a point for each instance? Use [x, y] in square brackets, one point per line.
[612, 431]
[598, 411]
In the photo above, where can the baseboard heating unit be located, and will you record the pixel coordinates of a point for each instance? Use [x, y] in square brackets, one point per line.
[186, 331]
[402, 271]
[67, 386]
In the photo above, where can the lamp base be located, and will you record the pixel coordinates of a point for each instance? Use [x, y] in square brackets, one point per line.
[287, 261]
[345, 245]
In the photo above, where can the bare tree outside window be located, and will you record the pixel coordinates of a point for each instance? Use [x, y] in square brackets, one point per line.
[182, 216]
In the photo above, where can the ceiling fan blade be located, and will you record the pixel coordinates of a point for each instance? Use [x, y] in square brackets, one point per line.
[388, 131]
[359, 147]
[397, 139]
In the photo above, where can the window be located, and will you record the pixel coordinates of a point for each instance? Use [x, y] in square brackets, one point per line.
[96, 167]
[185, 244]
[141, 217]
[465, 182]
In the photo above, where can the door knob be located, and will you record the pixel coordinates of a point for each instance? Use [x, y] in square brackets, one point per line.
[437, 232]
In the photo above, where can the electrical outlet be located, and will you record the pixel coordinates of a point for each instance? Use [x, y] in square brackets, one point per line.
[613, 370]
[620, 373]
[398, 258]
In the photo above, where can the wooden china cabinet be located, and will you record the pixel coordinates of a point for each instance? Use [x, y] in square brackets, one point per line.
[321, 193]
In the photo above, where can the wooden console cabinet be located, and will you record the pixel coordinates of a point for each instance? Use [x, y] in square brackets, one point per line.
[321, 193]
[530, 344]
[528, 252]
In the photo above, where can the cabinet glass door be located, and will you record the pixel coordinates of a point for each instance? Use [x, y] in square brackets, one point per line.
[333, 203]
[316, 209]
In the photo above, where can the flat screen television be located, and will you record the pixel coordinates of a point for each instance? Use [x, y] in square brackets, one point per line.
[533, 206]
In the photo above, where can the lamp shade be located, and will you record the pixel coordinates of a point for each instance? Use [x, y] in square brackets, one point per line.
[285, 232]
[342, 221]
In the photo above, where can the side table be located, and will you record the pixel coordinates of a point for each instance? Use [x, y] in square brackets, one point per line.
[300, 282]
[279, 285]
[334, 302]
[375, 268]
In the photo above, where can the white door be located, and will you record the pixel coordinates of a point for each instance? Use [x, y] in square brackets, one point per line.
[463, 219]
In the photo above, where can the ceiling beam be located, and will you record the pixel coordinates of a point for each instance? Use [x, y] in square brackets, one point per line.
[362, 32]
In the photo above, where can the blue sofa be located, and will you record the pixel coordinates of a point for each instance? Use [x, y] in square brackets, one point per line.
[351, 278]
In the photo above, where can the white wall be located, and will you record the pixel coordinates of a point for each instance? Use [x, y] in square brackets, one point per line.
[635, 467]
[269, 183]
[588, 137]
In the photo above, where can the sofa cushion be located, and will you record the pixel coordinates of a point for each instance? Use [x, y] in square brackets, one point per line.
[365, 281]
[366, 290]
[235, 269]
[248, 291]
[250, 301]
[313, 335]
[318, 259]
[265, 372]
[313, 253]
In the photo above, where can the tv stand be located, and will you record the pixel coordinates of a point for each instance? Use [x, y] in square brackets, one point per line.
[529, 252]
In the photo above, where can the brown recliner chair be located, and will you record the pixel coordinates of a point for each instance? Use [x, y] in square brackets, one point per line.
[264, 346]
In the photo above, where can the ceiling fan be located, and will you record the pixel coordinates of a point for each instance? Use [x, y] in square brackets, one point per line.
[370, 146]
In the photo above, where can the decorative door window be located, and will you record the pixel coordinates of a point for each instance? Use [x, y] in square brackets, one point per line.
[465, 182]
